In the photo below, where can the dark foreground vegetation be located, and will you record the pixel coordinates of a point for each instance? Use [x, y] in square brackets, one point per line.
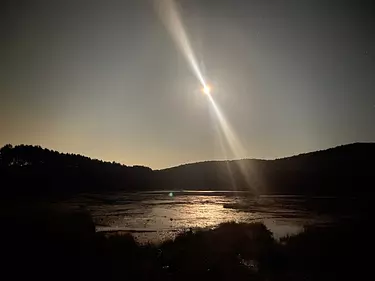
[51, 245]
[342, 171]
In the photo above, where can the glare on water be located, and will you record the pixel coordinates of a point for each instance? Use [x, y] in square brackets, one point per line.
[154, 217]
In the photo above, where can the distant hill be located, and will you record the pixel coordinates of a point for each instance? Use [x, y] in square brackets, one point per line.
[343, 170]
[35, 171]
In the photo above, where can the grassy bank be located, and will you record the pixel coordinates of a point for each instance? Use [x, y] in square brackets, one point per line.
[64, 246]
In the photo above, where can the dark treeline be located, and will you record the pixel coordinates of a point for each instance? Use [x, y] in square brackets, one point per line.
[344, 170]
[32, 170]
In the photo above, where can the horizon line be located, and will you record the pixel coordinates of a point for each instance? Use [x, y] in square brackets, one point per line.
[197, 162]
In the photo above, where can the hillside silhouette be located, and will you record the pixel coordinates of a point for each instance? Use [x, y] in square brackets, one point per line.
[36, 171]
[343, 170]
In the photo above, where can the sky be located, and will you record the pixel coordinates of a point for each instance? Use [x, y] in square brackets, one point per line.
[105, 78]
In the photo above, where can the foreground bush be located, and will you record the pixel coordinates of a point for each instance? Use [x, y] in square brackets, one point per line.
[64, 246]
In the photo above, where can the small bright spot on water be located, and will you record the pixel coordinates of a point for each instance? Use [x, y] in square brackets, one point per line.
[170, 194]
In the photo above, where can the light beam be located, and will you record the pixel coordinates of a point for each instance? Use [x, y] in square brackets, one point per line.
[206, 90]
[233, 143]
[170, 16]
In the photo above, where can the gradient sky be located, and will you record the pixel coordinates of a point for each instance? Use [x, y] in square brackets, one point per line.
[105, 79]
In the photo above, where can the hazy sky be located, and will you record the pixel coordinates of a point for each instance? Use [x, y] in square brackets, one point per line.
[105, 79]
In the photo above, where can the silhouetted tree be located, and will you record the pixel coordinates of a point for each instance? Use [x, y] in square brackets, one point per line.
[344, 170]
[31, 170]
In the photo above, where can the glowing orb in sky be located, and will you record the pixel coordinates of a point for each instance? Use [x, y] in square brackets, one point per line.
[206, 90]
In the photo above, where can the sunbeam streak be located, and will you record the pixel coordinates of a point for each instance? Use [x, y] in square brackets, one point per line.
[171, 18]
[227, 163]
[227, 131]
[233, 143]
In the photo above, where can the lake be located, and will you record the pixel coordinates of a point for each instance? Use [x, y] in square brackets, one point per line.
[160, 215]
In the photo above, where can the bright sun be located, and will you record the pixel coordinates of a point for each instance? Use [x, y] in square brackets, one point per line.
[206, 90]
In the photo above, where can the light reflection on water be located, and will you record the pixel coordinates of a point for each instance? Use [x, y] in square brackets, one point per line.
[154, 217]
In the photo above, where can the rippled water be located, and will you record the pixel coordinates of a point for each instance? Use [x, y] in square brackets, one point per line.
[157, 216]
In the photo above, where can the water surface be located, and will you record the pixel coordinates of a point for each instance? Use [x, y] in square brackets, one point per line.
[157, 216]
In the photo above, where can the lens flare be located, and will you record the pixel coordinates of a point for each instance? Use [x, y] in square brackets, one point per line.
[206, 90]
[170, 16]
